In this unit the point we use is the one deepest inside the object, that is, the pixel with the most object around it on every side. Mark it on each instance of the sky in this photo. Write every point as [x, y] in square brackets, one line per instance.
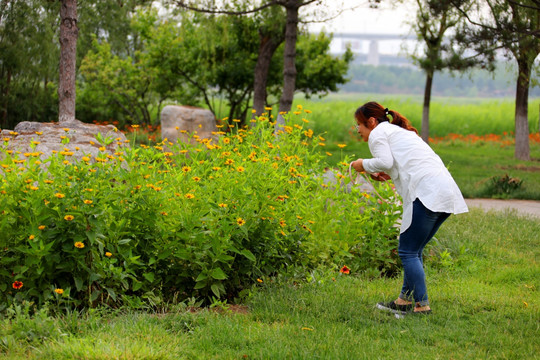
[387, 19]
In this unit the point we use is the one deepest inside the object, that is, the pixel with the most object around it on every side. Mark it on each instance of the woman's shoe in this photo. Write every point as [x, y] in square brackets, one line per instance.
[395, 308]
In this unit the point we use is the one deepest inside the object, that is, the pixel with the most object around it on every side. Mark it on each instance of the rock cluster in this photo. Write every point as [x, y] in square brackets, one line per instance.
[187, 124]
[75, 138]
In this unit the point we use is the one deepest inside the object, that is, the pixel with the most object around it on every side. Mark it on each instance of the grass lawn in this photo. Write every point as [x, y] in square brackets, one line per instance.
[483, 280]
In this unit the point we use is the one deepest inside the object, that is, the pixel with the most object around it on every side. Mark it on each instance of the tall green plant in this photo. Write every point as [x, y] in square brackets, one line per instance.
[204, 220]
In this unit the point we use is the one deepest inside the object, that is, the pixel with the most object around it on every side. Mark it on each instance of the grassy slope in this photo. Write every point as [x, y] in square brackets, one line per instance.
[483, 278]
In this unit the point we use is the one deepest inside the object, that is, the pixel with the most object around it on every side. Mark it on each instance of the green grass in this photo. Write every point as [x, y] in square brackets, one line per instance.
[479, 116]
[483, 278]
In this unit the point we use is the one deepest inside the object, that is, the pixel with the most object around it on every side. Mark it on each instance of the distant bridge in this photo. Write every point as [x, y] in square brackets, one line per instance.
[354, 41]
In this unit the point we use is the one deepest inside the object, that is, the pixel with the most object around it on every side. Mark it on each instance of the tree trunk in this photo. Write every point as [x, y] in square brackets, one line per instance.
[425, 110]
[6, 101]
[68, 56]
[289, 56]
[267, 48]
[522, 150]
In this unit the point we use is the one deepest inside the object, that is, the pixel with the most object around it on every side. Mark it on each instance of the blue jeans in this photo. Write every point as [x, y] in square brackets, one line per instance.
[412, 241]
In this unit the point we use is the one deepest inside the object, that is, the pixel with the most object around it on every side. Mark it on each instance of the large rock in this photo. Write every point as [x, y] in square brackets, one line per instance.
[187, 123]
[47, 138]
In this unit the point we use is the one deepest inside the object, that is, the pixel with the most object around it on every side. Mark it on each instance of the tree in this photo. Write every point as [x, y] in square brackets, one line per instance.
[202, 58]
[292, 8]
[433, 20]
[68, 60]
[514, 27]
[28, 61]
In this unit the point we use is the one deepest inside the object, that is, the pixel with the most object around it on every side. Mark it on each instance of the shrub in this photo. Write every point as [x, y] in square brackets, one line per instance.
[501, 186]
[195, 220]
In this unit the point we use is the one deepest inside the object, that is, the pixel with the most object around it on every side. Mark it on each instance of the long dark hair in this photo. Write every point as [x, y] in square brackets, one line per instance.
[377, 111]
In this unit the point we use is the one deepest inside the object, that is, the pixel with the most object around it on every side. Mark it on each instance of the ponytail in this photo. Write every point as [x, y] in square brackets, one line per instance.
[376, 111]
[402, 121]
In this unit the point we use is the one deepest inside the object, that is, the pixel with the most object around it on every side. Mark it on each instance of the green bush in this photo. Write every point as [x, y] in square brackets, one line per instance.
[203, 220]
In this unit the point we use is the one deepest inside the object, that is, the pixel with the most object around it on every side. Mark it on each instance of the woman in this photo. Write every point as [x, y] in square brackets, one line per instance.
[428, 190]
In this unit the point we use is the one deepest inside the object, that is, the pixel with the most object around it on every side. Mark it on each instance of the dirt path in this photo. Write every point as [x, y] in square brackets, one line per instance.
[523, 207]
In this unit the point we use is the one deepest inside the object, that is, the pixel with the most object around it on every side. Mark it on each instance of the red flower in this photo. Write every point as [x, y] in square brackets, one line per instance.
[17, 285]
[345, 270]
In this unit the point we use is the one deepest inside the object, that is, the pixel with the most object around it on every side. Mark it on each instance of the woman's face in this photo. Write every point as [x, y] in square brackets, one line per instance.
[364, 130]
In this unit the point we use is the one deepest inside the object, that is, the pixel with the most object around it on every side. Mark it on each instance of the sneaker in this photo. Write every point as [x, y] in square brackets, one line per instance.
[413, 313]
[395, 308]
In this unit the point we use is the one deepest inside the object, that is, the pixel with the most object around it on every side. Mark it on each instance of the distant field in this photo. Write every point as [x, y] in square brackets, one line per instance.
[473, 160]
[334, 114]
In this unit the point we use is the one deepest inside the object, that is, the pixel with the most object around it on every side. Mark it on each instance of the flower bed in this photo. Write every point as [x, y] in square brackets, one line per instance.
[199, 221]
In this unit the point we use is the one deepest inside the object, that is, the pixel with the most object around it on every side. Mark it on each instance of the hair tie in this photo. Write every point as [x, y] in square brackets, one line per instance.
[386, 111]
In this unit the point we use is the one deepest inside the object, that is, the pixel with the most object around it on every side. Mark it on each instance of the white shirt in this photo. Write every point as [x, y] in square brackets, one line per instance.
[415, 169]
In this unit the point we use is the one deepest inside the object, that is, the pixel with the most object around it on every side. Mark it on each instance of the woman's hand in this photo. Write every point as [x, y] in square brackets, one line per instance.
[380, 176]
[358, 165]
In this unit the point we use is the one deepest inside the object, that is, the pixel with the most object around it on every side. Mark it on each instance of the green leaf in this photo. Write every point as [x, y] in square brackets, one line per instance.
[200, 285]
[149, 276]
[95, 295]
[248, 254]
[78, 283]
[218, 274]
[136, 285]
[215, 289]
[202, 276]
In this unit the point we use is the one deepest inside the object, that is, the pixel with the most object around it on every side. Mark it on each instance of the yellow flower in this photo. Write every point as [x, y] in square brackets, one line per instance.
[240, 169]
[108, 254]
[186, 169]
[41, 227]
[134, 126]
[31, 237]
[196, 179]
[222, 205]
[329, 154]
[307, 111]
[259, 280]
[69, 217]
[189, 196]
[59, 195]
[341, 146]
[59, 291]
[216, 168]
[87, 202]
[79, 245]
[226, 140]
[229, 162]
[240, 221]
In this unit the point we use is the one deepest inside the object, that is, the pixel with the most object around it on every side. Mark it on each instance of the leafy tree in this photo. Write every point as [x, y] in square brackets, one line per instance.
[514, 27]
[28, 61]
[204, 58]
[292, 20]
[433, 20]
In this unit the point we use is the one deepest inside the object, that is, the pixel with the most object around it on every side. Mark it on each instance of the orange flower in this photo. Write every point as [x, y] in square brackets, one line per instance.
[69, 217]
[17, 285]
[345, 270]
[79, 245]
[59, 291]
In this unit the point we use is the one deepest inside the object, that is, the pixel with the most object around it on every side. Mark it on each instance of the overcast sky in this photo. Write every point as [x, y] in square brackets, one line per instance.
[387, 19]
[359, 18]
